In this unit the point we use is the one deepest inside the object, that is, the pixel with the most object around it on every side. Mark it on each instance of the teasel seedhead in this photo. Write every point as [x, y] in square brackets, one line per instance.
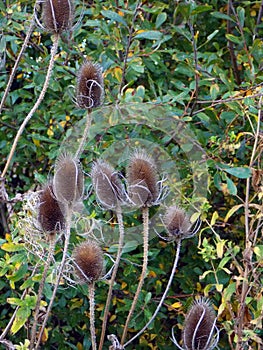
[144, 189]
[68, 181]
[178, 225]
[50, 212]
[199, 330]
[90, 85]
[107, 184]
[57, 15]
[88, 261]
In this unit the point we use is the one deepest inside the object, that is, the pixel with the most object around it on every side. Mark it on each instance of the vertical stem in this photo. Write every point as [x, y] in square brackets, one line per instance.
[36, 105]
[114, 273]
[40, 291]
[85, 134]
[12, 75]
[145, 214]
[176, 259]
[92, 315]
[248, 241]
[60, 271]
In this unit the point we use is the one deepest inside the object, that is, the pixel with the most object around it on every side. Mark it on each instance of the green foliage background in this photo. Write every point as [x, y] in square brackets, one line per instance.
[178, 58]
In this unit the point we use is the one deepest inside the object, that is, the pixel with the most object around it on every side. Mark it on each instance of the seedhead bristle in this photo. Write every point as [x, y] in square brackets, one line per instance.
[50, 215]
[68, 180]
[90, 85]
[142, 179]
[88, 258]
[107, 184]
[57, 15]
[177, 222]
[199, 326]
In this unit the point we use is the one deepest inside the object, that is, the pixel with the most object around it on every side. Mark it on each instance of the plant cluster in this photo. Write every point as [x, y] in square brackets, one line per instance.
[97, 176]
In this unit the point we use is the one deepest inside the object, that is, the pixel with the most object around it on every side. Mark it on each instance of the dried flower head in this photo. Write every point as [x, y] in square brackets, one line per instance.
[107, 184]
[57, 15]
[50, 212]
[90, 85]
[142, 178]
[68, 182]
[88, 258]
[199, 326]
[178, 225]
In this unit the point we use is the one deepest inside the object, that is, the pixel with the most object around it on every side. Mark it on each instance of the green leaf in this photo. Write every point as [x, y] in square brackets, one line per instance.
[114, 17]
[231, 187]
[161, 18]
[21, 317]
[241, 16]
[149, 34]
[12, 247]
[233, 38]
[239, 172]
[222, 16]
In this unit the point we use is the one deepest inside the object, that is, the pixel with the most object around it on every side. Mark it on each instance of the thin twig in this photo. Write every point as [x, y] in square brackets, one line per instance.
[36, 105]
[131, 31]
[14, 69]
[145, 214]
[231, 47]
[176, 259]
[114, 273]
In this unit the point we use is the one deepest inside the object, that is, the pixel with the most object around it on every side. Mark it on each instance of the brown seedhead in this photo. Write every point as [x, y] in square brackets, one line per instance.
[90, 85]
[68, 182]
[57, 15]
[88, 259]
[50, 212]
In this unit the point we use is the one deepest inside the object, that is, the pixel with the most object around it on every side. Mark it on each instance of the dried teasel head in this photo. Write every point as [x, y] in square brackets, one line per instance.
[142, 177]
[50, 212]
[90, 85]
[107, 184]
[178, 225]
[68, 182]
[199, 331]
[57, 15]
[88, 261]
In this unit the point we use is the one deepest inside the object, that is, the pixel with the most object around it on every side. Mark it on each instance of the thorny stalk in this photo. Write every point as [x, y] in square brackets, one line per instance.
[145, 215]
[36, 105]
[114, 273]
[92, 314]
[176, 259]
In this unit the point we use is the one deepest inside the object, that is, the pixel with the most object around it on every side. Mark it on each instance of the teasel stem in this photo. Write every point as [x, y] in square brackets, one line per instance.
[60, 271]
[145, 215]
[85, 134]
[176, 259]
[36, 105]
[114, 273]
[40, 291]
[14, 69]
[92, 314]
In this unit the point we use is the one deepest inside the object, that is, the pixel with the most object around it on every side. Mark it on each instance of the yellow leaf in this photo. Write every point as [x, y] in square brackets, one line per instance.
[36, 142]
[215, 216]
[220, 248]
[232, 211]
[112, 318]
[79, 346]
[176, 305]
[123, 285]
[219, 287]
[118, 74]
